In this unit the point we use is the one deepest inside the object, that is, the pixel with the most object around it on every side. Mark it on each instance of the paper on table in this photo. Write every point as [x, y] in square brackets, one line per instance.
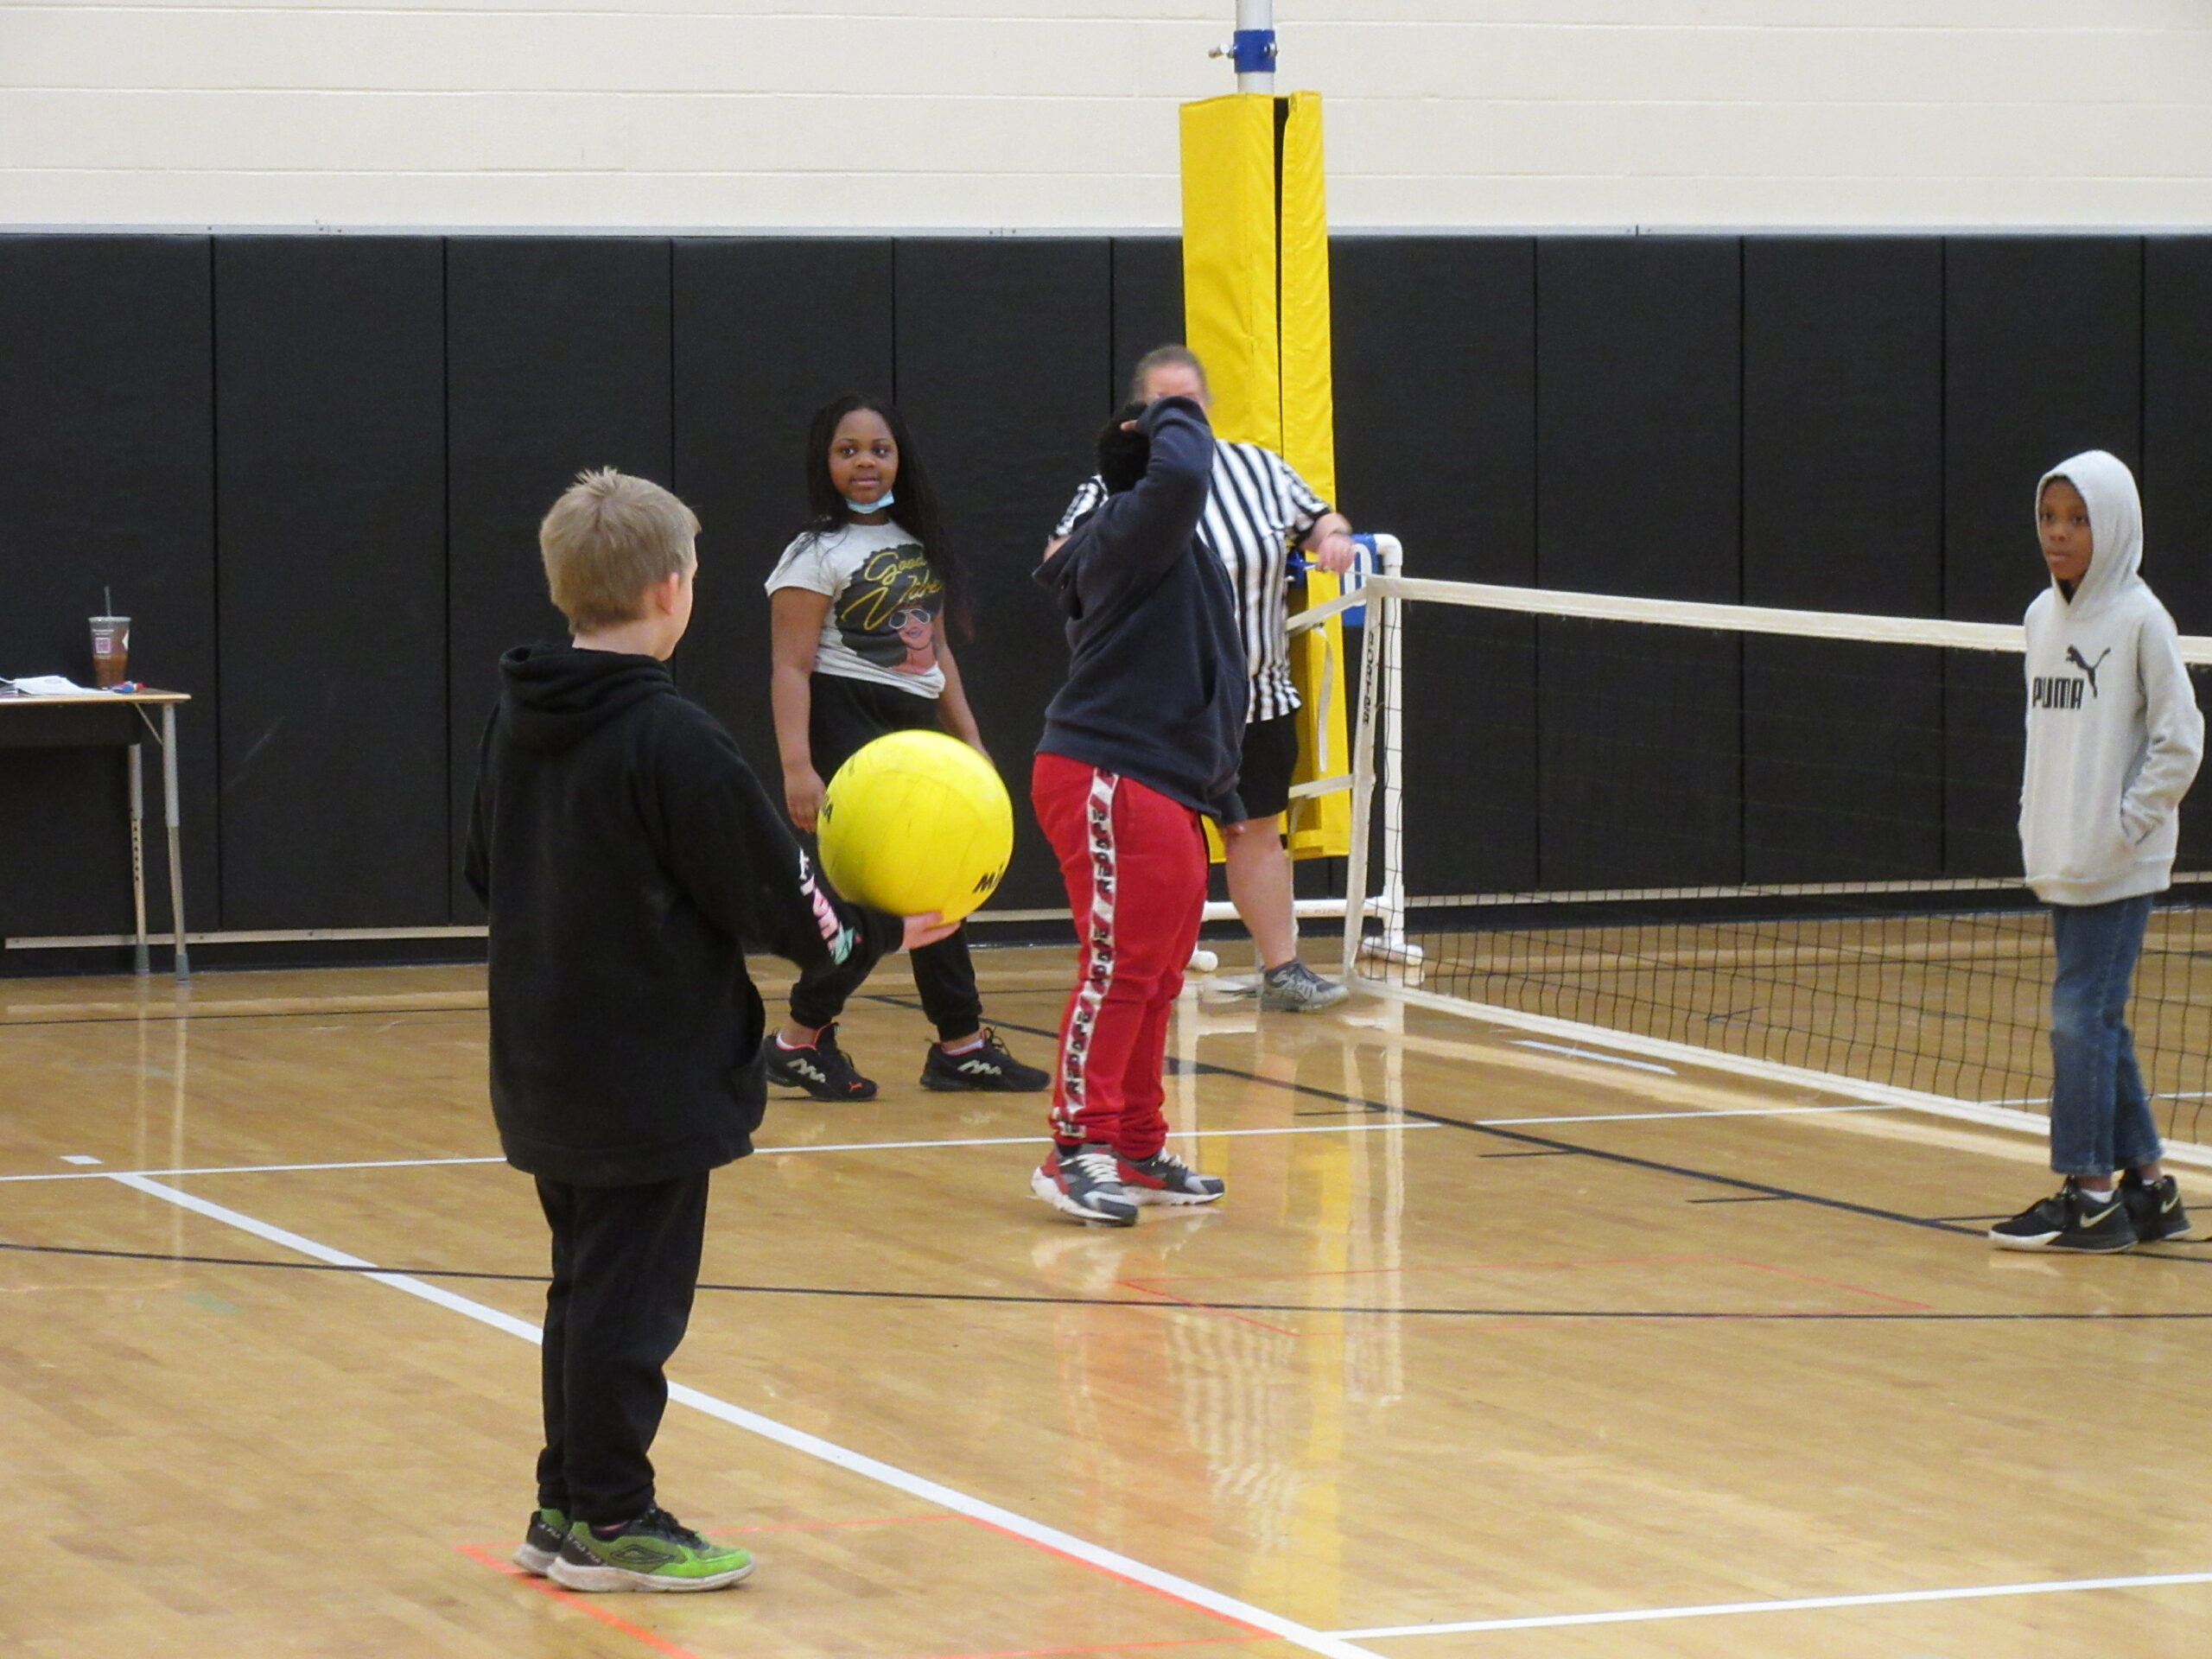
[54, 685]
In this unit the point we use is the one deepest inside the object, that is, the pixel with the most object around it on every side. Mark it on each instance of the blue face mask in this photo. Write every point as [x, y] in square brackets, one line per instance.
[876, 505]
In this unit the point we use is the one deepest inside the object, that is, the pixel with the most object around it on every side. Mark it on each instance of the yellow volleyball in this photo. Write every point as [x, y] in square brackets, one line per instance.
[916, 821]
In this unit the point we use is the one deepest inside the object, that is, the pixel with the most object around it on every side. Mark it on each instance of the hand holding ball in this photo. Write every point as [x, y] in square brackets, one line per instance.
[916, 821]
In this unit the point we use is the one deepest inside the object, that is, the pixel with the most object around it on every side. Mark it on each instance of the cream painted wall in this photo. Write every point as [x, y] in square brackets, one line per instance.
[1027, 115]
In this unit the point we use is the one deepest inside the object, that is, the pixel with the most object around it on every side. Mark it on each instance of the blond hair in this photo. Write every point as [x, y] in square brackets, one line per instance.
[608, 539]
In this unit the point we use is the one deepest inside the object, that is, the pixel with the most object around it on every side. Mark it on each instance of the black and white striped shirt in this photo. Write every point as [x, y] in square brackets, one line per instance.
[1257, 507]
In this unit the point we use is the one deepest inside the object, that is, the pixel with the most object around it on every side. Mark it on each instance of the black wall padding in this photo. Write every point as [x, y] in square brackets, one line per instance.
[558, 359]
[1004, 347]
[330, 467]
[1843, 511]
[2043, 358]
[313, 468]
[2176, 475]
[1147, 304]
[1639, 446]
[107, 420]
[766, 332]
[2178, 464]
[1436, 399]
[1436, 433]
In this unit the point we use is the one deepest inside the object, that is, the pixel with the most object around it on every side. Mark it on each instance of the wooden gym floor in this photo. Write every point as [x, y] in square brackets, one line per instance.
[1494, 1352]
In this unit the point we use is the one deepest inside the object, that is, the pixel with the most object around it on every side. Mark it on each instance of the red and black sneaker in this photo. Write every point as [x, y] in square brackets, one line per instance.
[1164, 1179]
[1080, 1181]
[822, 1069]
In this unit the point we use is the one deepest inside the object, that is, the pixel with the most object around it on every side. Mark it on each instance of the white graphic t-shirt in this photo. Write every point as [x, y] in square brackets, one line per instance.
[884, 600]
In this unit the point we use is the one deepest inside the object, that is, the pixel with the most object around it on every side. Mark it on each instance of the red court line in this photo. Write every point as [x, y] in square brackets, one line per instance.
[1164, 1595]
[489, 1555]
[1096, 1647]
[1488, 1266]
[500, 1550]
[581, 1603]
[1447, 1267]
[1203, 1307]
[1832, 1284]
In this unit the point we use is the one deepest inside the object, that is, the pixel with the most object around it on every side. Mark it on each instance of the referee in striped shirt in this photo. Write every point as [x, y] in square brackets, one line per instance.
[1257, 507]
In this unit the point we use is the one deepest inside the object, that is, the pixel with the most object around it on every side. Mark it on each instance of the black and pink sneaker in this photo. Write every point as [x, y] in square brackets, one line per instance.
[1164, 1179]
[987, 1067]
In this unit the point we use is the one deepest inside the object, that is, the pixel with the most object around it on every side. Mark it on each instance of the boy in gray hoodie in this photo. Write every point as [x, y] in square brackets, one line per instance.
[2114, 737]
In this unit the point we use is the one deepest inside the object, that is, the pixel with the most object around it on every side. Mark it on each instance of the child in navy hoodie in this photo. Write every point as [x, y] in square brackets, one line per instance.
[1143, 738]
[2113, 740]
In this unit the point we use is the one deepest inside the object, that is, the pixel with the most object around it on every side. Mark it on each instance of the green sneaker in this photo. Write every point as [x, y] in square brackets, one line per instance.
[654, 1552]
[541, 1542]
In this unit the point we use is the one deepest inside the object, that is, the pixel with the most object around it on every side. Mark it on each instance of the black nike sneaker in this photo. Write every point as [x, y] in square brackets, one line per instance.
[2070, 1219]
[988, 1068]
[2154, 1207]
[823, 1070]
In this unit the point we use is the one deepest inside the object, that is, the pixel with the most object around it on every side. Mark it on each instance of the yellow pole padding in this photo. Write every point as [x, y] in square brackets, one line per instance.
[1255, 305]
[1309, 426]
[1319, 827]
[1229, 262]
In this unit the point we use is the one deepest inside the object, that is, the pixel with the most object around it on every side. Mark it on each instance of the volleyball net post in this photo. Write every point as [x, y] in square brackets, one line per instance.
[1363, 780]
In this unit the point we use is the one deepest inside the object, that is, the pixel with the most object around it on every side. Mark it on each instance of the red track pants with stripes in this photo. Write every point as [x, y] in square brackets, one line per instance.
[1134, 864]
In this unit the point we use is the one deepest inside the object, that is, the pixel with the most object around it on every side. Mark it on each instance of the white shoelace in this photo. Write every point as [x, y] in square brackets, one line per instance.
[1099, 1166]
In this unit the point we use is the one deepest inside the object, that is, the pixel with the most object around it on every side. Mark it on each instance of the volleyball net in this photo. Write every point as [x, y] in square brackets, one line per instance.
[1781, 842]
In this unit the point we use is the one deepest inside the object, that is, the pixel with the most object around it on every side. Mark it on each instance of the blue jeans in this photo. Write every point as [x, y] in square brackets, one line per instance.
[2100, 1118]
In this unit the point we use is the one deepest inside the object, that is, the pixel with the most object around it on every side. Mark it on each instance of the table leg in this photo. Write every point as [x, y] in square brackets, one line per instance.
[176, 839]
[135, 761]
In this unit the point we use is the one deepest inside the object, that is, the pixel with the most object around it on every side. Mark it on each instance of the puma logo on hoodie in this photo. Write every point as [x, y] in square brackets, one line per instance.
[2064, 690]
[2073, 656]
[2101, 797]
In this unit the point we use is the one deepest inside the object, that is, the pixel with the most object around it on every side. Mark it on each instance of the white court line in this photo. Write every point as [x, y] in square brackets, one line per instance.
[254, 1169]
[760, 1152]
[1647, 1117]
[1805, 1604]
[812, 1445]
[309, 1246]
[1593, 1054]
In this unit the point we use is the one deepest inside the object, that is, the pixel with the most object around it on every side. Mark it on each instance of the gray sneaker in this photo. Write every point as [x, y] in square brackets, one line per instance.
[1296, 989]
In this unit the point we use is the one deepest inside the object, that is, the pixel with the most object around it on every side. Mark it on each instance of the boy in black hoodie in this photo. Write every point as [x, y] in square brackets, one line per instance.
[625, 851]
[1144, 738]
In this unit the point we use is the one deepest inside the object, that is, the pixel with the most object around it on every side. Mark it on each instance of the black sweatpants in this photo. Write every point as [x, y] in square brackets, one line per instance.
[626, 1263]
[848, 715]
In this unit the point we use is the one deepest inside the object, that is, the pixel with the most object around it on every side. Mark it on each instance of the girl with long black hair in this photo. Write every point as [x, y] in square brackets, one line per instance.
[858, 605]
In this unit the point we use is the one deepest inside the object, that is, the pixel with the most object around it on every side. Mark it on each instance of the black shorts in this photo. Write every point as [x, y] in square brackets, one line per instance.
[1270, 756]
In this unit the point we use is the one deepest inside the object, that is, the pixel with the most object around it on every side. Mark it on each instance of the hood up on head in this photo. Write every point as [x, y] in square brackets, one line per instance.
[2115, 522]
